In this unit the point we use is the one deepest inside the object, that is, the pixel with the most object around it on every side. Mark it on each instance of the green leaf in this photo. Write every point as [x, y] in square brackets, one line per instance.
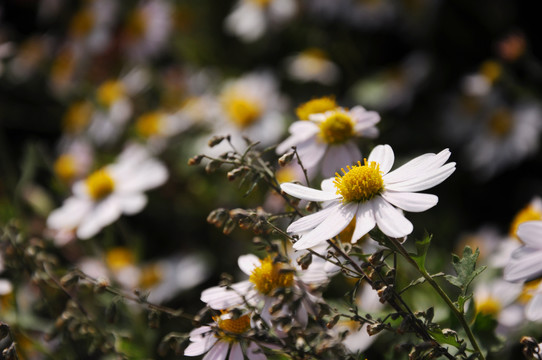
[465, 268]
[447, 337]
[421, 251]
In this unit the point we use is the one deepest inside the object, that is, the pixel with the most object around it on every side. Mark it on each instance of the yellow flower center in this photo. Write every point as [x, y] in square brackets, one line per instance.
[233, 326]
[337, 128]
[81, 23]
[269, 276]
[151, 275]
[286, 174]
[100, 184]
[65, 167]
[149, 124]
[109, 92]
[241, 111]
[315, 106]
[530, 212]
[77, 117]
[360, 183]
[136, 26]
[491, 70]
[500, 123]
[261, 3]
[119, 257]
[488, 306]
[529, 288]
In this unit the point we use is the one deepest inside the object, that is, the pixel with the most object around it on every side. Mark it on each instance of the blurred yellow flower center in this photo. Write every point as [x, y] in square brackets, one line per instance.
[81, 23]
[65, 167]
[151, 275]
[100, 184]
[270, 276]
[491, 70]
[360, 182]
[488, 306]
[529, 213]
[149, 124]
[337, 128]
[286, 174]
[109, 92]
[119, 257]
[77, 117]
[315, 106]
[529, 288]
[234, 326]
[500, 122]
[261, 3]
[136, 25]
[241, 111]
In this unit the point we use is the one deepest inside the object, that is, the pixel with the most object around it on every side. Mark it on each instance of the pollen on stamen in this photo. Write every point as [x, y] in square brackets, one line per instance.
[360, 182]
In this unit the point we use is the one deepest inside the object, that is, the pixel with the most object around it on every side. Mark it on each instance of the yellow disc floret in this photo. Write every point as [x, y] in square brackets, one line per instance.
[119, 257]
[77, 117]
[109, 92]
[529, 213]
[261, 3]
[360, 182]
[65, 167]
[233, 326]
[315, 106]
[270, 276]
[149, 124]
[243, 112]
[488, 306]
[100, 184]
[337, 128]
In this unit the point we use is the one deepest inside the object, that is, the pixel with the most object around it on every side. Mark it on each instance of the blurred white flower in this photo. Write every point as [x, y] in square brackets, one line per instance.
[498, 298]
[250, 19]
[526, 263]
[106, 194]
[312, 65]
[372, 195]
[75, 161]
[91, 26]
[326, 141]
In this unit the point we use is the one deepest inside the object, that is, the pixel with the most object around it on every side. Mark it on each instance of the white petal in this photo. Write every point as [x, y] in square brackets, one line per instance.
[337, 157]
[418, 165]
[533, 311]
[311, 152]
[200, 345]
[133, 203]
[422, 180]
[222, 298]
[306, 193]
[218, 352]
[523, 268]
[254, 352]
[530, 233]
[331, 226]
[365, 221]
[383, 155]
[328, 185]
[301, 131]
[247, 263]
[311, 221]
[236, 353]
[390, 220]
[414, 202]
[103, 214]
[145, 176]
[70, 214]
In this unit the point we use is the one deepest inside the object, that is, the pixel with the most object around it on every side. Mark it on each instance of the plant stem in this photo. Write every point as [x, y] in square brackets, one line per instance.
[458, 314]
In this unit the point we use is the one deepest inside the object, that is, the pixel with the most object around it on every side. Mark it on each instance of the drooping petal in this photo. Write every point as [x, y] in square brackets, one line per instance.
[311, 153]
[311, 221]
[533, 311]
[247, 263]
[331, 226]
[390, 220]
[218, 352]
[254, 352]
[70, 214]
[424, 180]
[383, 155]
[365, 221]
[525, 267]
[103, 214]
[201, 343]
[306, 193]
[530, 232]
[414, 202]
[222, 298]
[236, 353]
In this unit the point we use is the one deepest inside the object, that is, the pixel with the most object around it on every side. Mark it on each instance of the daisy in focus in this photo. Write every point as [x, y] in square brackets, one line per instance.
[250, 19]
[372, 195]
[327, 139]
[222, 338]
[109, 192]
[266, 276]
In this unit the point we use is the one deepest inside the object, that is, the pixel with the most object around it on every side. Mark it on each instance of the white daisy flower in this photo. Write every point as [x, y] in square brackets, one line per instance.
[250, 19]
[265, 277]
[525, 262]
[74, 161]
[312, 65]
[108, 193]
[372, 195]
[158, 126]
[220, 340]
[327, 139]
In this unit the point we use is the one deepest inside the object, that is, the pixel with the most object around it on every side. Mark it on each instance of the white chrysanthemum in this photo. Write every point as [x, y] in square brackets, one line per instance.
[312, 65]
[250, 19]
[266, 276]
[372, 195]
[108, 193]
[326, 140]
[525, 262]
[220, 339]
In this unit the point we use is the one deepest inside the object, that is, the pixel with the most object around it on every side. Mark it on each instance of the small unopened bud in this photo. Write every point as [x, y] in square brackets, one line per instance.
[228, 227]
[286, 158]
[215, 140]
[195, 160]
[212, 166]
[233, 174]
